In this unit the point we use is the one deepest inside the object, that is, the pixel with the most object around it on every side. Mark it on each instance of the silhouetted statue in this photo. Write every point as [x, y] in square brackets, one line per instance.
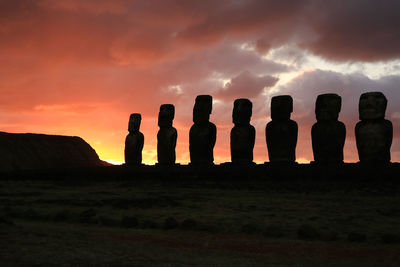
[374, 134]
[134, 141]
[242, 134]
[166, 136]
[203, 133]
[328, 134]
[281, 132]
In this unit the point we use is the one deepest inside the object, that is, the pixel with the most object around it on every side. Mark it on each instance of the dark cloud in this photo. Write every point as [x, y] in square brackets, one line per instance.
[364, 30]
[354, 30]
[238, 18]
[135, 32]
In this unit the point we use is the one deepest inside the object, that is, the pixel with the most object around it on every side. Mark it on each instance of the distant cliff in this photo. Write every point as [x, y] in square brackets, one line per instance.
[40, 151]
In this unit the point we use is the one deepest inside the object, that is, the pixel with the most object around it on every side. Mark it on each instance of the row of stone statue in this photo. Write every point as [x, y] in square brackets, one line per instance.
[374, 134]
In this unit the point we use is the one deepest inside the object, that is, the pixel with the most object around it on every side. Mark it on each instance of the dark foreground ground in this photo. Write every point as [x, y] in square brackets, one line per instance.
[148, 216]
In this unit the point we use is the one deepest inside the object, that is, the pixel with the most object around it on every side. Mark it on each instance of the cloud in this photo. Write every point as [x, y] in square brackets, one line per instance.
[245, 85]
[294, 56]
[134, 32]
[88, 6]
[355, 30]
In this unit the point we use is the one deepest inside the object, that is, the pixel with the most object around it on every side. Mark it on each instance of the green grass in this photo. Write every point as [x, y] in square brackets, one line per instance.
[92, 223]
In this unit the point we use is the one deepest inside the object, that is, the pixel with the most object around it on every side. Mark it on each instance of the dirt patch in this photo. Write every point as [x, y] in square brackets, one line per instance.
[288, 249]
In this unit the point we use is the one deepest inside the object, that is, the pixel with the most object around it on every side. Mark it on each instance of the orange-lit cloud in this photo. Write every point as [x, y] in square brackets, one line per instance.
[81, 67]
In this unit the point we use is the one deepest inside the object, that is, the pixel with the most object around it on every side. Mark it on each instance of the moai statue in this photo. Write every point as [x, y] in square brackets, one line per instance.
[134, 141]
[166, 136]
[242, 134]
[281, 132]
[328, 134]
[374, 134]
[203, 133]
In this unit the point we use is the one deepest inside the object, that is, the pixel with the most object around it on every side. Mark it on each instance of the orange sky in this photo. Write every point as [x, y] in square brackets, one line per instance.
[81, 67]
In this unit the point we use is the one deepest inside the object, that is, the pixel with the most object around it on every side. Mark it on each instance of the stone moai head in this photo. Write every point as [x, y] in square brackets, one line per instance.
[242, 111]
[327, 107]
[134, 122]
[281, 107]
[202, 109]
[166, 115]
[372, 106]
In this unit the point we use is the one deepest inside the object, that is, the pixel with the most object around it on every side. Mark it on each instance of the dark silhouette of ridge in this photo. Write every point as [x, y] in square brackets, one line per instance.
[40, 151]
[225, 173]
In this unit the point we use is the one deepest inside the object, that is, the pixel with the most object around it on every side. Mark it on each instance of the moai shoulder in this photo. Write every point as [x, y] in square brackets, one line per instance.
[281, 132]
[203, 133]
[166, 136]
[328, 134]
[374, 134]
[134, 141]
[242, 134]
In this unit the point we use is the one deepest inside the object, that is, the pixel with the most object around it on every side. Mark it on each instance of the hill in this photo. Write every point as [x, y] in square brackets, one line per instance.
[40, 151]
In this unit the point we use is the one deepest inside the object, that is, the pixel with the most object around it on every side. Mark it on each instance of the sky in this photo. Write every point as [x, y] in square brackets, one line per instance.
[81, 67]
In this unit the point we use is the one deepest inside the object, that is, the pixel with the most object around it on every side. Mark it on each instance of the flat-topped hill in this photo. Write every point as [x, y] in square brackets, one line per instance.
[40, 151]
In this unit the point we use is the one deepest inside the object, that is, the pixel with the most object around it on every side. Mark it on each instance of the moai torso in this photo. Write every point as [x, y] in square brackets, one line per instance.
[242, 134]
[281, 132]
[166, 136]
[134, 141]
[328, 134]
[374, 134]
[203, 133]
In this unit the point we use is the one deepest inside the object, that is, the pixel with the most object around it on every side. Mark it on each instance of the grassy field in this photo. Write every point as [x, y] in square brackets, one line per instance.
[198, 222]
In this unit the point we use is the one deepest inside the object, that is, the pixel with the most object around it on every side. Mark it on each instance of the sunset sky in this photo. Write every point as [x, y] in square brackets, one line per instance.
[81, 67]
